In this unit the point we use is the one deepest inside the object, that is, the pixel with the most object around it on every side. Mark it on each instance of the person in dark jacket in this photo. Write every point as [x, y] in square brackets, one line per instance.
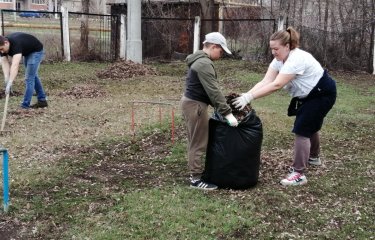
[17, 45]
[202, 90]
[313, 93]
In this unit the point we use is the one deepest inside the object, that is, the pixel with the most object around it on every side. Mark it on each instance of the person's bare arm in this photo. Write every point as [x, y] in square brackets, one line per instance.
[272, 82]
[5, 65]
[268, 88]
[16, 59]
[271, 74]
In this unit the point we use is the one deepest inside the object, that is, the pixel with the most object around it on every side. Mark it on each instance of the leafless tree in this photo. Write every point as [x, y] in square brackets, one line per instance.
[372, 35]
[85, 28]
[208, 12]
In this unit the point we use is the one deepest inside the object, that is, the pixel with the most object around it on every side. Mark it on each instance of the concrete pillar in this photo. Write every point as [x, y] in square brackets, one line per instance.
[134, 42]
[65, 21]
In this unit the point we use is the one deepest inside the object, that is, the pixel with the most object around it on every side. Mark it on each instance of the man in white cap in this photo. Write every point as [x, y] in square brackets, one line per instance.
[201, 90]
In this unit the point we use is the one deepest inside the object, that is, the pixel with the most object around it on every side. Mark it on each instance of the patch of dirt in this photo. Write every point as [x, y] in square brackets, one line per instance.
[13, 93]
[25, 113]
[137, 161]
[83, 91]
[9, 228]
[126, 69]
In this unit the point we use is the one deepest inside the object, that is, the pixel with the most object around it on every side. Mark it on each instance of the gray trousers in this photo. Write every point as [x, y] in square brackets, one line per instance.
[196, 118]
[305, 148]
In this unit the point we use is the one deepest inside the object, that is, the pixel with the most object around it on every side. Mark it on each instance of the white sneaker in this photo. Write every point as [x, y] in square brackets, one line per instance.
[294, 179]
[315, 161]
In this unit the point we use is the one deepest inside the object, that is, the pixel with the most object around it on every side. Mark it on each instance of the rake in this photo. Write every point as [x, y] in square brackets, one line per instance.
[2, 131]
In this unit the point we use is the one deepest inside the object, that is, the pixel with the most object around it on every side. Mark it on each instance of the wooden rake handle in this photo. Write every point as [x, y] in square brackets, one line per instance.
[5, 112]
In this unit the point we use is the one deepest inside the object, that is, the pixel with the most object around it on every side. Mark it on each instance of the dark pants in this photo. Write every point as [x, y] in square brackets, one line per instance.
[309, 121]
[315, 106]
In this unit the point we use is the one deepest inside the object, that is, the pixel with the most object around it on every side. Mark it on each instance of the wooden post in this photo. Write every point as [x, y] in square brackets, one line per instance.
[132, 120]
[280, 23]
[172, 127]
[373, 56]
[122, 37]
[197, 33]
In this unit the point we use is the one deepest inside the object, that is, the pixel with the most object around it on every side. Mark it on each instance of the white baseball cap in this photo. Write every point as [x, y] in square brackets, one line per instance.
[217, 38]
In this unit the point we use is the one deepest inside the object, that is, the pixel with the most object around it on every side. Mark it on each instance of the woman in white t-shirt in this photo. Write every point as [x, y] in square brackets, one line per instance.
[313, 94]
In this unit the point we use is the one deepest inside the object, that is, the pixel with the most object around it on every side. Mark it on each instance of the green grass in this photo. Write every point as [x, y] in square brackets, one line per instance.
[78, 172]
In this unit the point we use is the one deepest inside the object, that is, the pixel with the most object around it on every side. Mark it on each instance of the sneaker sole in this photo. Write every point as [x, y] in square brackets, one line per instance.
[315, 163]
[294, 184]
[205, 189]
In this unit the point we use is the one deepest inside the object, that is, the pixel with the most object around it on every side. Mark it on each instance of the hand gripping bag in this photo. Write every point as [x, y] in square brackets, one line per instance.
[233, 153]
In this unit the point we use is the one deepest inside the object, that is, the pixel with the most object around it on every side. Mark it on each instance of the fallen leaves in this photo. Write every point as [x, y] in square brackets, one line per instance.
[238, 114]
[83, 91]
[126, 69]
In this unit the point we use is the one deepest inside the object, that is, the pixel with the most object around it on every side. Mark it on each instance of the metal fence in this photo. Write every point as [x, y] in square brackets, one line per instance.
[96, 37]
[172, 38]
[92, 36]
[248, 39]
[166, 38]
[46, 26]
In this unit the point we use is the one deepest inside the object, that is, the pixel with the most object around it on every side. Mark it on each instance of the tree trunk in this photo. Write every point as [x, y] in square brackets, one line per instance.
[301, 15]
[208, 12]
[372, 32]
[325, 28]
[85, 28]
[320, 12]
[362, 44]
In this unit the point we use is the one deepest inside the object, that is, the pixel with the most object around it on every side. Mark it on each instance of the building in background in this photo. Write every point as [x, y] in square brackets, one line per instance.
[96, 6]
[36, 5]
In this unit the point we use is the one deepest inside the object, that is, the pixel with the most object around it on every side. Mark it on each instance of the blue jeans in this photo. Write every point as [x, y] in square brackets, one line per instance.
[32, 81]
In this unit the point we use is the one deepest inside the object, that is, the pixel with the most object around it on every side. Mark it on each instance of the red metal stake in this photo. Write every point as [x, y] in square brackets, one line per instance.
[160, 115]
[132, 126]
[172, 130]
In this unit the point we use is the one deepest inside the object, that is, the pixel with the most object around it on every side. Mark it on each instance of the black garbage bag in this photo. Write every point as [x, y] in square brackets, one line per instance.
[233, 153]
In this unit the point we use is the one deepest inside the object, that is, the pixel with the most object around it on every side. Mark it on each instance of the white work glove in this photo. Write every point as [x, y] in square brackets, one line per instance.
[231, 120]
[8, 87]
[243, 100]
